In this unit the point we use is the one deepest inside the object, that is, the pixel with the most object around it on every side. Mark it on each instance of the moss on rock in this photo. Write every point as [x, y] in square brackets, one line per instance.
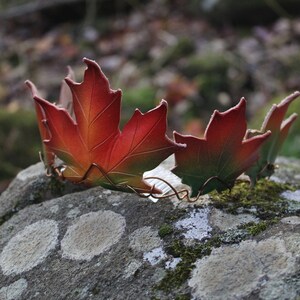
[164, 230]
[263, 200]
[188, 254]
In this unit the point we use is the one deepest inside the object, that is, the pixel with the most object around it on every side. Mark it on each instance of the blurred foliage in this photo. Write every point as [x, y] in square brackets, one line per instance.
[19, 141]
[210, 73]
[9, 3]
[209, 63]
[142, 97]
[243, 12]
[254, 11]
[182, 48]
[199, 55]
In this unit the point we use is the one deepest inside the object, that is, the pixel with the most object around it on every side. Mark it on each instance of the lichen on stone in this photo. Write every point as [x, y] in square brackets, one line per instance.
[29, 247]
[188, 255]
[14, 291]
[215, 271]
[252, 211]
[92, 234]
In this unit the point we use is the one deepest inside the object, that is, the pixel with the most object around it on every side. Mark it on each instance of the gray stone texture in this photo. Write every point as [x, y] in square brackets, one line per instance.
[225, 221]
[29, 247]
[31, 186]
[102, 244]
[247, 268]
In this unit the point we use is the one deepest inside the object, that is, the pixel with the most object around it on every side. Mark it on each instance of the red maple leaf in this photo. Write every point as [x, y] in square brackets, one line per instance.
[91, 145]
[274, 121]
[215, 161]
[65, 100]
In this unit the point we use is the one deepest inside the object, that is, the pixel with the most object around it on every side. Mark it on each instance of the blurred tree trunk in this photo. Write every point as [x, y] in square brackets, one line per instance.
[12, 10]
[91, 12]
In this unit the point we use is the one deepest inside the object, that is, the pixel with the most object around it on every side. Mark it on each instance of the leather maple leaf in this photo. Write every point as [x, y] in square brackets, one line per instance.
[65, 95]
[91, 144]
[274, 121]
[216, 160]
[65, 100]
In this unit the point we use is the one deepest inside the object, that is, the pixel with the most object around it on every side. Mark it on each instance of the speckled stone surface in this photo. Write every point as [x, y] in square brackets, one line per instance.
[266, 263]
[102, 244]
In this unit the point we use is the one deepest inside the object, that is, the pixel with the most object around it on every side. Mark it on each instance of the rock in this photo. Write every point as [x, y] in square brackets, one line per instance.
[31, 186]
[288, 171]
[102, 244]
[92, 234]
[267, 262]
[294, 220]
[13, 291]
[195, 225]
[22, 187]
[29, 247]
[225, 221]
[144, 239]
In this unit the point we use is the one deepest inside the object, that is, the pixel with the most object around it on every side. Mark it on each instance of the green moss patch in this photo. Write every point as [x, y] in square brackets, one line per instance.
[254, 229]
[164, 230]
[189, 254]
[263, 200]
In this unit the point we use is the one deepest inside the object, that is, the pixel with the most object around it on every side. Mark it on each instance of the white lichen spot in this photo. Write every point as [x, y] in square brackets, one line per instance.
[293, 220]
[290, 195]
[196, 226]
[73, 213]
[278, 290]
[144, 239]
[172, 263]
[29, 247]
[132, 268]
[276, 179]
[106, 192]
[115, 200]
[92, 234]
[14, 291]
[155, 256]
[54, 209]
[83, 293]
[90, 199]
[225, 221]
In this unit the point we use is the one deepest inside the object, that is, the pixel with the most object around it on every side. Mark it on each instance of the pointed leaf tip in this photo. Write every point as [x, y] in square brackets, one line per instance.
[164, 104]
[86, 60]
[91, 62]
[31, 87]
[70, 73]
[241, 104]
[287, 122]
[47, 154]
[274, 121]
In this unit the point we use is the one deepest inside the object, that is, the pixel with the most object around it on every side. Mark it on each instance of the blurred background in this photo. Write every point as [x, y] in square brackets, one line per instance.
[199, 55]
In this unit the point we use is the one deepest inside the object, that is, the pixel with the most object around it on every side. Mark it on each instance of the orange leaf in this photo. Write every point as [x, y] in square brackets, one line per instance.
[92, 146]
